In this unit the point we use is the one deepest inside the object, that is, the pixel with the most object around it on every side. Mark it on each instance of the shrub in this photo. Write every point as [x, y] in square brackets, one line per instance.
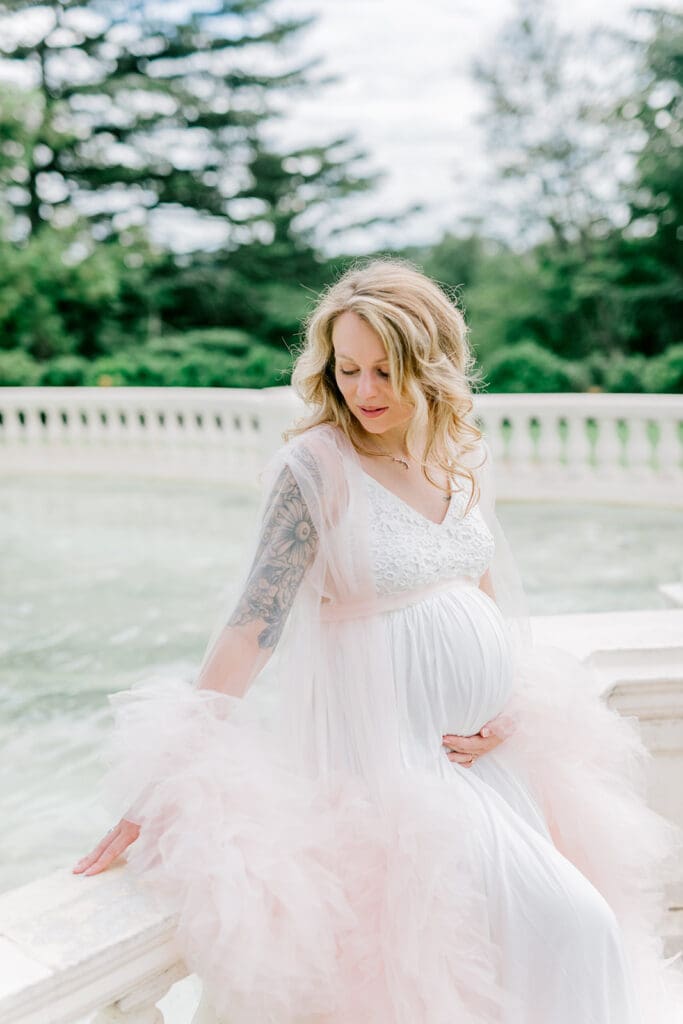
[626, 374]
[229, 341]
[664, 373]
[18, 369]
[263, 367]
[526, 367]
[131, 369]
[64, 371]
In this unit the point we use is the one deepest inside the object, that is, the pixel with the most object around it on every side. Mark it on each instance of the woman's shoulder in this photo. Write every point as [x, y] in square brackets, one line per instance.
[316, 441]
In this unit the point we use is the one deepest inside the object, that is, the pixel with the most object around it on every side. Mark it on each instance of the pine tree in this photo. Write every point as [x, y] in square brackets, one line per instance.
[131, 114]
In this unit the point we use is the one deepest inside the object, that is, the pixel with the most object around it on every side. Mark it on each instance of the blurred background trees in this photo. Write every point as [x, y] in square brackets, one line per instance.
[150, 234]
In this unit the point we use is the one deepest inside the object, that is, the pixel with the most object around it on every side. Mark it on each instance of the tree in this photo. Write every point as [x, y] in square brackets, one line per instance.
[134, 114]
[133, 118]
[650, 247]
[549, 138]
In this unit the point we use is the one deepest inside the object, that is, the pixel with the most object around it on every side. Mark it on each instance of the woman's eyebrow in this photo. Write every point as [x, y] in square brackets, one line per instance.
[342, 355]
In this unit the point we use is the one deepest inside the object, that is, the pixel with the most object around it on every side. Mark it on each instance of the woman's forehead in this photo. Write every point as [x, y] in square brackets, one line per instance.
[353, 338]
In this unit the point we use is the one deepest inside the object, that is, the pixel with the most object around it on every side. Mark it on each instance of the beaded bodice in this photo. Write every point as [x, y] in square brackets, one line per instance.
[408, 550]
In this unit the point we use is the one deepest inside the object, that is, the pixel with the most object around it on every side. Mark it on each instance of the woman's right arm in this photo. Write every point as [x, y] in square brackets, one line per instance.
[287, 547]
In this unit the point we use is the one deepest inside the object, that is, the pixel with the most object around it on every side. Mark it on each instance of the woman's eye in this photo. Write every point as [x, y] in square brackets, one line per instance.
[349, 373]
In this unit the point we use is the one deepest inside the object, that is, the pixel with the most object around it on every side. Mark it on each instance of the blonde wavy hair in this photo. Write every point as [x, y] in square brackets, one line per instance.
[430, 362]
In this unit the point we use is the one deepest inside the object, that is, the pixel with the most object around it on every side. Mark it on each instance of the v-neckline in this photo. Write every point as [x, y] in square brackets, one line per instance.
[406, 504]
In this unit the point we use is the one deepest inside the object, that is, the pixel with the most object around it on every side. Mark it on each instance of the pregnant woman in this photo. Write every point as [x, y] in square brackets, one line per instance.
[418, 818]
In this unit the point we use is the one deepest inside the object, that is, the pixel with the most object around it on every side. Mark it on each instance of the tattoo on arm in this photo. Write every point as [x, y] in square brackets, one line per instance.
[287, 546]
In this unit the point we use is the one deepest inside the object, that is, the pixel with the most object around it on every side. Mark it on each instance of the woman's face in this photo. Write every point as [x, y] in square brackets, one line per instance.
[361, 370]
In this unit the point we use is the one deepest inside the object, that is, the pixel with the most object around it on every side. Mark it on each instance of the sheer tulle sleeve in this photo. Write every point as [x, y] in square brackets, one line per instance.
[163, 715]
[286, 548]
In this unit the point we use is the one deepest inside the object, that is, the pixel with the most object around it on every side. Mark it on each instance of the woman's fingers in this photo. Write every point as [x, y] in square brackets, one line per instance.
[463, 749]
[464, 759]
[91, 857]
[108, 849]
[470, 744]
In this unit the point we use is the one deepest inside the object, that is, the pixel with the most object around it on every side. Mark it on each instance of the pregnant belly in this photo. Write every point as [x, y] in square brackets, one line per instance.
[451, 664]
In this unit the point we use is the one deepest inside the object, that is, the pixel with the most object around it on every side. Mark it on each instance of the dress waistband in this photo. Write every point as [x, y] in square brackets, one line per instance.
[338, 611]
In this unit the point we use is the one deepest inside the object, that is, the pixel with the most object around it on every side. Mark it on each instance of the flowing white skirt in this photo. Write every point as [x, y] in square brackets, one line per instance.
[455, 904]
[562, 957]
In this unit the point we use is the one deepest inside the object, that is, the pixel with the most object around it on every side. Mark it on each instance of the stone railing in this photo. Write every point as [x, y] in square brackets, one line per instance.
[73, 947]
[620, 448]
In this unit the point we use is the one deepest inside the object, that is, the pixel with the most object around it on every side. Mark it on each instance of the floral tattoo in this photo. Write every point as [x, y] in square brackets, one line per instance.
[287, 546]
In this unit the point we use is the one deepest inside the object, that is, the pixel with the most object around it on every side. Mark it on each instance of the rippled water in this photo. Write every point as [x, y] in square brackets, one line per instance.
[105, 579]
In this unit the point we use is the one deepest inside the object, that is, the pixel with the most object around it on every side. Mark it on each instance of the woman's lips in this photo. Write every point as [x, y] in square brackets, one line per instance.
[372, 413]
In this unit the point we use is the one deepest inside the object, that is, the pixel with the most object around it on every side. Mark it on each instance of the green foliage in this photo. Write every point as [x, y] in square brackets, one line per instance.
[208, 358]
[664, 374]
[217, 291]
[227, 341]
[526, 367]
[626, 374]
[56, 298]
[64, 371]
[18, 369]
[650, 250]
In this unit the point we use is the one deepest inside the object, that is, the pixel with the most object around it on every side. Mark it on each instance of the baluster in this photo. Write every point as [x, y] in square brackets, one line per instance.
[549, 448]
[14, 430]
[80, 422]
[33, 430]
[60, 429]
[578, 446]
[496, 438]
[669, 450]
[139, 1005]
[639, 448]
[609, 447]
[52, 428]
[520, 446]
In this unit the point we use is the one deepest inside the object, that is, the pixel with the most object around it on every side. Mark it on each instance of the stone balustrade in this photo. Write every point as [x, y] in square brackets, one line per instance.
[587, 447]
[73, 947]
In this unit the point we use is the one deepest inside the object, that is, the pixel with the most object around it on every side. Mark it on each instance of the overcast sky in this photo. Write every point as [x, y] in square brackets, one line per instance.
[406, 93]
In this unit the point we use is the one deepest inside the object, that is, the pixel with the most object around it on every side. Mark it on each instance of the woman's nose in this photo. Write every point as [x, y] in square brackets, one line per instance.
[366, 386]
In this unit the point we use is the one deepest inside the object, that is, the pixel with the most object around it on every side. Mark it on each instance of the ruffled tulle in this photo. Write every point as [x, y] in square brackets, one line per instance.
[587, 766]
[300, 901]
[295, 900]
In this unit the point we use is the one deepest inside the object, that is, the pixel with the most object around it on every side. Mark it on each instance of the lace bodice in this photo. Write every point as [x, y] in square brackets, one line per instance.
[408, 550]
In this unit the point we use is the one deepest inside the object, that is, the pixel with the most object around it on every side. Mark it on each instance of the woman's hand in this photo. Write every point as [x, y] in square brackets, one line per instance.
[117, 839]
[465, 750]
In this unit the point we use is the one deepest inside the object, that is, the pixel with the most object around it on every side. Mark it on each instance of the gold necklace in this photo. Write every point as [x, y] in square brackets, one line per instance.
[394, 458]
[403, 462]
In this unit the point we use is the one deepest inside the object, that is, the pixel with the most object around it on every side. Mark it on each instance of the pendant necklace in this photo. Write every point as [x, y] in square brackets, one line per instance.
[404, 463]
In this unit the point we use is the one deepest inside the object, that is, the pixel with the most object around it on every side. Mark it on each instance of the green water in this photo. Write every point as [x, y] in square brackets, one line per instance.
[104, 579]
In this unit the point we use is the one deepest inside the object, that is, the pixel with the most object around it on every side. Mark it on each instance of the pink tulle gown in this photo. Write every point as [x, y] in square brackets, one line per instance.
[455, 906]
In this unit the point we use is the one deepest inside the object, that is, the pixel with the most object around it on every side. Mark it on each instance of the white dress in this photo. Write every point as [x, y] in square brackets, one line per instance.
[562, 958]
[559, 951]
[327, 862]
